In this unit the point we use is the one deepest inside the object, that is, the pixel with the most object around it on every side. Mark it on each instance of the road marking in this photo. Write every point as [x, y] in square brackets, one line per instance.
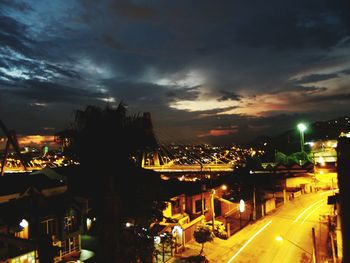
[307, 209]
[249, 240]
[313, 211]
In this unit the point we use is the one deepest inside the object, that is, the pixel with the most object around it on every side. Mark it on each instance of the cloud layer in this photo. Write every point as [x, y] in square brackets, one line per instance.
[208, 72]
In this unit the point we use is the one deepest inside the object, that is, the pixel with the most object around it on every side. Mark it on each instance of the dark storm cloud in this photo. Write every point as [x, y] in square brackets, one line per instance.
[298, 88]
[315, 78]
[228, 96]
[331, 98]
[49, 92]
[216, 111]
[144, 95]
[347, 71]
[18, 5]
[13, 35]
[154, 54]
[132, 10]
[309, 89]
[296, 24]
[34, 69]
[191, 93]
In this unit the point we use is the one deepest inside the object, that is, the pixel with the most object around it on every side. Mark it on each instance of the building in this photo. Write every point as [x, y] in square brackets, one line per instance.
[39, 219]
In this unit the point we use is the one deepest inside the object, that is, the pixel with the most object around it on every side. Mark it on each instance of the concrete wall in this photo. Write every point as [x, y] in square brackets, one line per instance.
[297, 182]
[269, 205]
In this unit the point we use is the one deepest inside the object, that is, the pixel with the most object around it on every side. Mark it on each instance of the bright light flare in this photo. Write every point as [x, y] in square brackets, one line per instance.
[24, 223]
[279, 238]
[241, 206]
[301, 127]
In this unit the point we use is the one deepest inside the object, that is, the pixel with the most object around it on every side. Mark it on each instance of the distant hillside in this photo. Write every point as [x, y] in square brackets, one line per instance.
[289, 141]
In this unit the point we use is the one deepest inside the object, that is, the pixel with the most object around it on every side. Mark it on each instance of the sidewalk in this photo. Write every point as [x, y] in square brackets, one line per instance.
[193, 248]
[219, 251]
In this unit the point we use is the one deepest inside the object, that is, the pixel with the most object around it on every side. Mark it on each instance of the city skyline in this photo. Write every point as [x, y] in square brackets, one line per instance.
[211, 72]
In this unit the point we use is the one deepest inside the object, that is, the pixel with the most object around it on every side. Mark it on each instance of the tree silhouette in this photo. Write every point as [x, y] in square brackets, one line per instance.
[102, 130]
[203, 234]
[104, 142]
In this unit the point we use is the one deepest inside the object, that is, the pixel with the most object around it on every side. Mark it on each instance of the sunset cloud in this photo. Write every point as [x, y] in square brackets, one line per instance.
[195, 67]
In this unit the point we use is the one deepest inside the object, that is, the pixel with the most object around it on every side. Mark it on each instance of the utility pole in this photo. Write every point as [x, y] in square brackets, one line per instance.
[212, 209]
[314, 254]
[254, 203]
[203, 188]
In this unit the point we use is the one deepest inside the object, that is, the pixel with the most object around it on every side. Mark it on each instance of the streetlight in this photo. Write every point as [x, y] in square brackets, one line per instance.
[241, 210]
[302, 128]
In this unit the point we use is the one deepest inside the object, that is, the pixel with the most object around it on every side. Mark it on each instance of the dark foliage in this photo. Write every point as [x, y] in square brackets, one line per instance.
[203, 234]
[104, 141]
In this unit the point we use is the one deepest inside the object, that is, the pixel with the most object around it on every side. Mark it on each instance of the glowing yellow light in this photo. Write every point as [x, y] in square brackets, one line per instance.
[224, 187]
[321, 161]
[279, 238]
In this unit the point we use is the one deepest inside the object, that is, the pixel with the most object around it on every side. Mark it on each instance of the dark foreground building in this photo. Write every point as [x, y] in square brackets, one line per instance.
[343, 151]
[39, 220]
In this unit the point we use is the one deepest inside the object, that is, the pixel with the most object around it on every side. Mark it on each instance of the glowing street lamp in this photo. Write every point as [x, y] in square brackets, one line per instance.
[241, 207]
[302, 127]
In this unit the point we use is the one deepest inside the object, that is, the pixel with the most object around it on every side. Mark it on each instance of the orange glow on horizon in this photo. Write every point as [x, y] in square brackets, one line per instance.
[33, 140]
[220, 132]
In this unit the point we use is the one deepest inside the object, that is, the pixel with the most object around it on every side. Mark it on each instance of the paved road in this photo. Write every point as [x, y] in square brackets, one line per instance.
[292, 223]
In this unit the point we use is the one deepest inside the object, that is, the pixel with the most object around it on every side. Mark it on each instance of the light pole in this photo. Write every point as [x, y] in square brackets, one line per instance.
[203, 189]
[302, 128]
[212, 209]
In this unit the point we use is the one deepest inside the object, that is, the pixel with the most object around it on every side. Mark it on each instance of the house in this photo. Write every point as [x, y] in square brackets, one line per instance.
[39, 219]
[185, 211]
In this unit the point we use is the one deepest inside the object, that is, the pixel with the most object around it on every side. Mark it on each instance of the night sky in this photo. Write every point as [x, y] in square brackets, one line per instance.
[208, 71]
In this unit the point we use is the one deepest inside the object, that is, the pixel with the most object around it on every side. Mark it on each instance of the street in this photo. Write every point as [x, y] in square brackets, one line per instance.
[283, 236]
